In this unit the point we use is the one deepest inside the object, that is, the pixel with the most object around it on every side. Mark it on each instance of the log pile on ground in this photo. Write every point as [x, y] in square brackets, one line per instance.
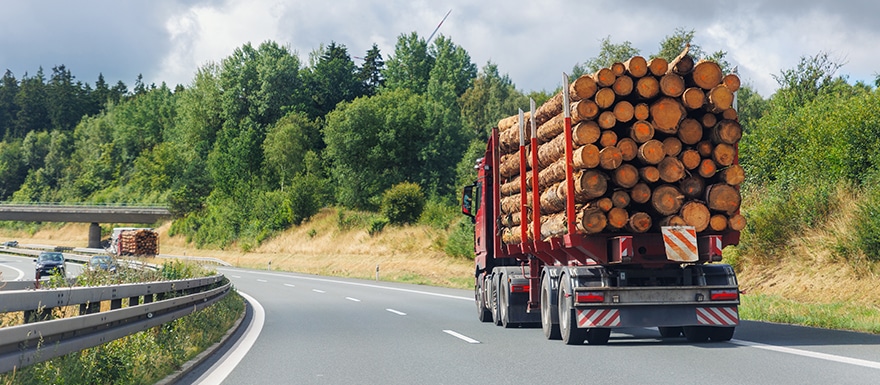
[141, 242]
[655, 144]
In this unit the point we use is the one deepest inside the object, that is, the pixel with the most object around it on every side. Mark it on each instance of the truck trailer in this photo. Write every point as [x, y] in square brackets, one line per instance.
[590, 278]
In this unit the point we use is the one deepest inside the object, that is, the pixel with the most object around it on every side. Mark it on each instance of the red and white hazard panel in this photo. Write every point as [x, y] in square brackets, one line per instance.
[681, 243]
[592, 318]
[718, 316]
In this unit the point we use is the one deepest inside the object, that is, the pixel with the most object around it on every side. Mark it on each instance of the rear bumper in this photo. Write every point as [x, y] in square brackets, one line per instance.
[659, 315]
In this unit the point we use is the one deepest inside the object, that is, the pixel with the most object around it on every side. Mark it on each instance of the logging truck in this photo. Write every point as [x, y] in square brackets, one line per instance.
[608, 207]
[134, 241]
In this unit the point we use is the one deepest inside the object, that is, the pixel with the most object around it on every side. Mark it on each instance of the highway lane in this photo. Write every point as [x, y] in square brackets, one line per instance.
[330, 330]
[18, 268]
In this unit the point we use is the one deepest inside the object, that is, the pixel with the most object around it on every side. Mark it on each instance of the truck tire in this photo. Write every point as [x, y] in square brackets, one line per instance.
[504, 304]
[548, 323]
[721, 333]
[483, 312]
[598, 336]
[696, 333]
[568, 330]
[493, 299]
[669, 332]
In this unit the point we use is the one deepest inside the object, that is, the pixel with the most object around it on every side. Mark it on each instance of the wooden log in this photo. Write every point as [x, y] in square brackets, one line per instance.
[510, 220]
[617, 218]
[549, 152]
[726, 131]
[553, 226]
[658, 66]
[651, 152]
[671, 169]
[736, 222]
[693, 98]
[620, 198]
[608, 138]
[583, 87]
[636, 66]
[591, 221]
[605, 77]
[510, 165]
[720, 98]
[672, 220]
[550, 108]
[641, 111]
[641, 131]
[730, 114]
[690, 131]
[718, 222]
[672, 85]
[628, 149]
[672, 146]
[509, 141]
[511, 204]
[682, 64]
[585, 133]
[623, 85]
[708, 120]
[509, 122]
[625, 176]
[667, 200]
[551, 128]
[647, 87]
[552, 199]
[606, 120]
[617, 68]
[639, 222]
[511, 187]
[723, 198]
[690, 159]
[605, 204]
[586, 156]
[707, 168]
[552, 174]
[589, 185]
[583, 110]
[666, 113]
[724, 154]
[604, 98]
[705, 148]
[610, 158]
[623, 111]
[695, 214]
[733, 175]
[692, 187]
[640, 193]
[731, 81]
[649, 174]
[706, 74]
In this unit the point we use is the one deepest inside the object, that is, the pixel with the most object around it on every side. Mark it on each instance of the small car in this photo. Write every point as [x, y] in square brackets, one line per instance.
[10, 244]
[102, 262]
[48, 262]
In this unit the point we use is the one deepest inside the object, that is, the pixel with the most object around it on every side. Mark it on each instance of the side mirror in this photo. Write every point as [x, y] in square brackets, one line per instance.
[467, 201]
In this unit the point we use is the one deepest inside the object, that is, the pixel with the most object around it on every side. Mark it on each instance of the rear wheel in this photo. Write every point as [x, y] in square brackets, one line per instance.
[493, 299]
[696, 333]
[568, 329]
[551, 329]
[483, 312]
[598, 336]
[669, 332]
[504, 304]
[721, 333]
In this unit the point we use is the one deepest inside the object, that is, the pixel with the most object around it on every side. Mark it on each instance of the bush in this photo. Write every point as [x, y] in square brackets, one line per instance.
[461, 239]
[866, 224]
[403, 203]
[439, 214]
[376, 225]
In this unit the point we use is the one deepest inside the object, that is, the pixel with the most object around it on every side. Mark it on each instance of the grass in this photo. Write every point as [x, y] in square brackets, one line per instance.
[836, 315]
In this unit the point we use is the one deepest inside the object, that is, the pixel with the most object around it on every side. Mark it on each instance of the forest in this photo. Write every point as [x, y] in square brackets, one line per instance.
[262, 140]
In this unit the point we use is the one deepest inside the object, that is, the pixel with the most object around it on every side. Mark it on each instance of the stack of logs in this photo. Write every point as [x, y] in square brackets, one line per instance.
[655, 144]
[139, 242]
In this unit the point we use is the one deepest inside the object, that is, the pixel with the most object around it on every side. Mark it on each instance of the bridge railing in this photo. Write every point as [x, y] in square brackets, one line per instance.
[148, 304]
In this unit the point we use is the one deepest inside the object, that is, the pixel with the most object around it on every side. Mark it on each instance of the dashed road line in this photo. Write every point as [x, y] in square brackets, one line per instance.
[289, 285]
[262, 280]
[396, 311]
[461, 337]
[318, 291]
[352, 299]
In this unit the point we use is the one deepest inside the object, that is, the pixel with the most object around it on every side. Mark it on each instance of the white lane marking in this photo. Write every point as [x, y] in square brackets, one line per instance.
[20, 273]
[230, 360]
[806, 353]
[318, 291]
[364, 285]
[289, 285]
[235, 276]
[396, 312]
[262, 280]
[352, 299]
[461, 337]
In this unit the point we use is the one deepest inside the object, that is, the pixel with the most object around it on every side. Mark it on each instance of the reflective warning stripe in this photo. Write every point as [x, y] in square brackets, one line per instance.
[718, 316]
[681, 243]
[592, 318]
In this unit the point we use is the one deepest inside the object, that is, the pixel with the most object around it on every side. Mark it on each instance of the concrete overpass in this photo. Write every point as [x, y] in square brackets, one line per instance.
[83, 214]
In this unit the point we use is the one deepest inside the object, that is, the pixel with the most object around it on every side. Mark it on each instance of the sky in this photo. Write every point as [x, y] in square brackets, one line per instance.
[533, 42]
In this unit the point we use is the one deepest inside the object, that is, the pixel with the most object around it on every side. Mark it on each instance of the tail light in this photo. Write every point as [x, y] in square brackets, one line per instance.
[590, 296]
[519, 288]
[724, 295]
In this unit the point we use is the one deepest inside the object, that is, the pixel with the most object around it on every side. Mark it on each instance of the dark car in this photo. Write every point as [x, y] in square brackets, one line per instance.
[10, 244]
[48, 262]
[102, 262]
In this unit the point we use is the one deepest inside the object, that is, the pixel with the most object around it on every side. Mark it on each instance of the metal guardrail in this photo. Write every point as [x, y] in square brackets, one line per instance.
[150, 304]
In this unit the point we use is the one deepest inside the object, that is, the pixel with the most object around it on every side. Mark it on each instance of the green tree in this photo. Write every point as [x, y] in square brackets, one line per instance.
[370, 72]
[672, 45]
[200, 113]
[803, 83]
[609, 53]
[66, 99]
[32, 100]
[286, 145]
[410, 66]
[12, 168]
[491, 97]
[8, 108]
[331, 79]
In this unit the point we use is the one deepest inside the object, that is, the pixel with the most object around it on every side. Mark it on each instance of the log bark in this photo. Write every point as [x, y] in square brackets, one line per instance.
[607, 120]
[617, 218]
[511, 204]
[672, 146]
[583, 87]
[647, 87]
[641, 111]
[639, 222]
[682, 64]
[510, 165]
[658, 66]
[553, 226]
[723, 198]
[604, 77]
[695, 214]
[623, 111]
[649, 174]
[623, 86]
[651, 152]
[731, 81]
[583, 110]
[720, 98]
[620, 198]
[636, 66]
[511, 187]
[693, 98]
[690, 159]
[553, 199]
[672, 85]
[733, 175]
[671, 169]
[604, 98]
[727, 131]
[610, 158]
[628, 149]
[585, 133]
[707, 74]
[549, 152]
[640, 193]
[551, 128]
[724, 154]
[666, 113]
[641, 131]
[667, 200]
[625, 176]
[552, 174]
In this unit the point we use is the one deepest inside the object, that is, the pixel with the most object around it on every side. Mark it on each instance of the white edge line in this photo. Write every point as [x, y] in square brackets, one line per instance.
[461, 337]
[352, 299]
[396, 312]
[220, 370]
[806, 353]
[20, 272]
[363, 285]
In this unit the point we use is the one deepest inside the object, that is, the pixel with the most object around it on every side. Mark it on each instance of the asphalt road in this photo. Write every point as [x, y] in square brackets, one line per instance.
[17, 268]
[321, 330]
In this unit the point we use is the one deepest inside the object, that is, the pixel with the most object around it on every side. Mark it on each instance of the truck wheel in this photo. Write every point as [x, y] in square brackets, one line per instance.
[551, 329]
[597, 336]
[696, 333]
[568, 330]
[721, 333]
[504, 304]
[669, 332]
[493, 298]
[483, 312]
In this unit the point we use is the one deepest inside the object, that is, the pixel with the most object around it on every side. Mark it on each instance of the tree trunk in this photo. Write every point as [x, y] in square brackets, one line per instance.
[623, 86]
[641, 111]
[707, 168]
[639, 222]
[617, 218]
[736, 222]
[607, 120]
[649, 174]
[667, 200]
[636, 66]
[706, 74]
[683, 64]
[690, 131]
[585, 157]
[552, 174]
[672, 146]
[666, 113]
[624, 111]
[723, 197]
[585, 133]
[604, 77]
[604, 98]
[651, 152]
[591, 220]
[724, 154]
[720, 98]
[510, 165]
[589, 185]
[690, 159]
[628, 149]
[672, 85]
[608, 138]
[732, 175]
[511, 204]
[731, 81]
[718, 222]
[620, 198]
[625, 176]
[647, 87]
[583, 87]
[671, 169]
[693, 98]
[692, 187]
[727, 131]
[583, 110]
[610, 158]
[553, 199]
[551, 128]
[695, 214]
[640, 193]
[641, 131]
[658, 66]
[605, 204]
